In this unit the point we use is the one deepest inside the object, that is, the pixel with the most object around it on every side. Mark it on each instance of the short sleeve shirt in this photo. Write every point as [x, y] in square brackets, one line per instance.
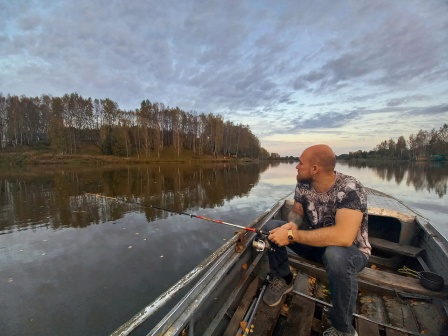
[320, 208]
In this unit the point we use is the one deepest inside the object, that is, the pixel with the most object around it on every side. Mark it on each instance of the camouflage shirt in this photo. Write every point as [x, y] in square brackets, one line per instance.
[320, 208]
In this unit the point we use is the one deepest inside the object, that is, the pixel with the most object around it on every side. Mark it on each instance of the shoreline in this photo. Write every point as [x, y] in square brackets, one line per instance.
[40, 158]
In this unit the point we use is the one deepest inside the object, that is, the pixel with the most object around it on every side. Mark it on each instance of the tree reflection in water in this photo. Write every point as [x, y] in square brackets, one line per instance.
[430, 176]
[55, 197]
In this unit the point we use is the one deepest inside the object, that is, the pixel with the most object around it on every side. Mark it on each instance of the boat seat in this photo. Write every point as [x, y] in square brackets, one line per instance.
[386, 245]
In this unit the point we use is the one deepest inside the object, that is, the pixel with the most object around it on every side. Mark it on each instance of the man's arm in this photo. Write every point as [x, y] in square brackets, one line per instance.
[295, 217]
[296, 214]
[343, 233]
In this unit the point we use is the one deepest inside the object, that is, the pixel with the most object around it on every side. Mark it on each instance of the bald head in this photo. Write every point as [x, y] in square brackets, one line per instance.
[321, 155]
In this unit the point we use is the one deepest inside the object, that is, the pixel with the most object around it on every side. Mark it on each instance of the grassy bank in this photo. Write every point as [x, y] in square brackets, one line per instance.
[29, 156]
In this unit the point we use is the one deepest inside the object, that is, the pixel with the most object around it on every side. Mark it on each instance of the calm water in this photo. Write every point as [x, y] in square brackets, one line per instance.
[72, 264]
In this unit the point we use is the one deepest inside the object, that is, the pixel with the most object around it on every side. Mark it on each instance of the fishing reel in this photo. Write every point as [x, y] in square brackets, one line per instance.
[260, 244]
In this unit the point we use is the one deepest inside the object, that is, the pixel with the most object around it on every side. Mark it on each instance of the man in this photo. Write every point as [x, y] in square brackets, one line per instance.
[334, 206]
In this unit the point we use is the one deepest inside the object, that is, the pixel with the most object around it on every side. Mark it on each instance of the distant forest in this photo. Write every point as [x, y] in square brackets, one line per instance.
[421, 146]
[63, 123]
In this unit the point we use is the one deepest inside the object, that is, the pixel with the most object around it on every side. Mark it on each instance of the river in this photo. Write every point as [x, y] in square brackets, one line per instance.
[72, 263]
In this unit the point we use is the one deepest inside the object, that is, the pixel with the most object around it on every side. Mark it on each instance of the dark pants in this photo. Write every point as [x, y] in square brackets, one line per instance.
[342, 265]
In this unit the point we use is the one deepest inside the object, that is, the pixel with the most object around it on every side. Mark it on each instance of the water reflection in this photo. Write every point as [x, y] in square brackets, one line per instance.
[55, 198]
[429, 176]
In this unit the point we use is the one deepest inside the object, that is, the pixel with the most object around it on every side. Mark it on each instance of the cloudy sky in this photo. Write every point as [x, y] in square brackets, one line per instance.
[347, 73]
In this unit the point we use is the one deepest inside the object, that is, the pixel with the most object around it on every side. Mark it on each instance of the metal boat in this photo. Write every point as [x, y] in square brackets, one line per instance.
[402, 291]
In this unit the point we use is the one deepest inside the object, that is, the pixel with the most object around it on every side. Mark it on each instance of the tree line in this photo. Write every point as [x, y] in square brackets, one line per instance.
[424, 144]
[63, 123]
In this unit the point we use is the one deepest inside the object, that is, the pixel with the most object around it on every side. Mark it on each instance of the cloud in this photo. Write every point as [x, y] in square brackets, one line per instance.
[431, 110]
[387, 53]
[405, 100]
[325, 120]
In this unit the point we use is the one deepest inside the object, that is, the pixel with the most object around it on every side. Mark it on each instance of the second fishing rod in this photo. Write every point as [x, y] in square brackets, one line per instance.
[180, 213]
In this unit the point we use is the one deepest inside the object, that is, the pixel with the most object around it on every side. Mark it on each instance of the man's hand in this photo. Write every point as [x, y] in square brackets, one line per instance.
[279, 235]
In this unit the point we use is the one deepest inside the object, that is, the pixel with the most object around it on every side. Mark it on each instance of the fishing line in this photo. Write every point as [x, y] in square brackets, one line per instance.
[180, 213]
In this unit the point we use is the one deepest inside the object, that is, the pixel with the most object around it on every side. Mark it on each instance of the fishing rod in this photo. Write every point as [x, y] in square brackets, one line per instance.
[181, 213]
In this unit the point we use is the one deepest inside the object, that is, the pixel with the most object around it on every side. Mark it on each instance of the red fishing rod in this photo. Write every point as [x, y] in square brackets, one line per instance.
[182, 213]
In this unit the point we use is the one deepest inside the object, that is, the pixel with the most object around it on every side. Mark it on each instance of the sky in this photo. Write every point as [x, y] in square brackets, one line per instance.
[350, 74]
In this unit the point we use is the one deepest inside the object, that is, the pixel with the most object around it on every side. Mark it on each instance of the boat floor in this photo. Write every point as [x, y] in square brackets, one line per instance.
[381, 309]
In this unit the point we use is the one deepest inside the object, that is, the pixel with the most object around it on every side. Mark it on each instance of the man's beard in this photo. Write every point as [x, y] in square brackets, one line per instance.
[303, 180]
